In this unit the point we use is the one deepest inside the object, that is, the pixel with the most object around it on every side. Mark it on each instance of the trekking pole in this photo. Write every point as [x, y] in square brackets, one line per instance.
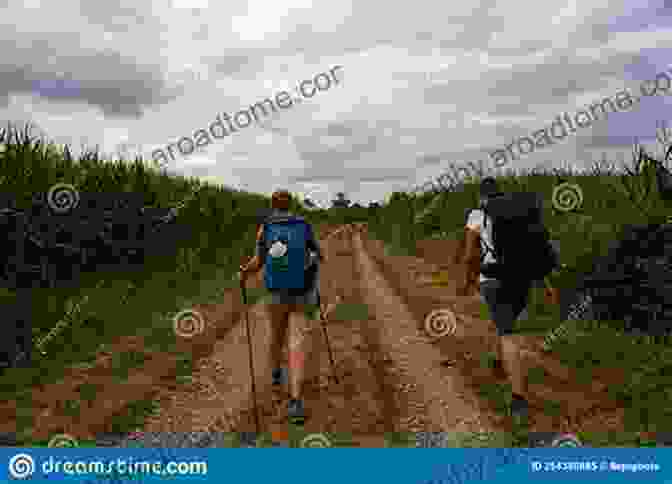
[326, 337]
[249, 342]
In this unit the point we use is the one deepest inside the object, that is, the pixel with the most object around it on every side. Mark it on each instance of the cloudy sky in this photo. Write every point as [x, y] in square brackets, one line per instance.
[422, 83]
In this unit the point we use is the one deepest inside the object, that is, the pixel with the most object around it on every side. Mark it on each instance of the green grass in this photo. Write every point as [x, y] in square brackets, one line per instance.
[609, 203]
[400, 439]
[45, 443]
[351, 312]
[593, 346]
[121, 302]
[133, 417]
[129, 420]
[116, 302]
[123, 363]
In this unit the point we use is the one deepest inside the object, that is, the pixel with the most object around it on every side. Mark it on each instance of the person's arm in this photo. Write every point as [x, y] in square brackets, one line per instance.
[472, 248]
[471, 253]
[257, 262]
[472, 245]
[313, 244]
[472, 235]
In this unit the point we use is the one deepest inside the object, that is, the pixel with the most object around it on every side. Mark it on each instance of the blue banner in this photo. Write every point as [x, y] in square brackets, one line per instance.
[336, 466]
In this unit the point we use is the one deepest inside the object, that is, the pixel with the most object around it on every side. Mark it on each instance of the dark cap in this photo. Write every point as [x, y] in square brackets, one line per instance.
[488, 186]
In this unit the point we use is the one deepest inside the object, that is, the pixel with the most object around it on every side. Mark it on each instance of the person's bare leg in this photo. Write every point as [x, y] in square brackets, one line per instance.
[499, 353]
[279, 328]
[513, 365]
[298, 321]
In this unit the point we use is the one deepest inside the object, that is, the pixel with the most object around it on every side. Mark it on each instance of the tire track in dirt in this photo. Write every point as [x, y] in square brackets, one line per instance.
[155, 379]
[361, 404]
[390, 379]
[220, 398]
[582, 407]
[158, 373]
[429, 399]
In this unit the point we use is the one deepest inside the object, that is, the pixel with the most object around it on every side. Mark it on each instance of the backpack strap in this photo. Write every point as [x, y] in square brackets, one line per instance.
[488, 248]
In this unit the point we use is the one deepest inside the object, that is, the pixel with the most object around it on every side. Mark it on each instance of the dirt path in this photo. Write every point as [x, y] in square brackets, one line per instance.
[390, 379]
[393, 377]
[220, 397]
[559, 403]
[432, 398]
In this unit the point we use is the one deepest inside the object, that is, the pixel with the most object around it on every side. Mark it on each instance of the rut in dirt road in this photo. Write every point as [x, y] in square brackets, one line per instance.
[219, 397]
[390, 378]
[362, 403]
[390, 375]
[432, 398]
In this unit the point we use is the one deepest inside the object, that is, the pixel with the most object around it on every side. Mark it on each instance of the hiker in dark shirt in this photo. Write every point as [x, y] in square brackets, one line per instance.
[506, 299]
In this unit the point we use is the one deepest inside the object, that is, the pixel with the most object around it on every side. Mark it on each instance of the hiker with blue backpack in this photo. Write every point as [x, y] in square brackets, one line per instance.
[515, 251]
[290, 253]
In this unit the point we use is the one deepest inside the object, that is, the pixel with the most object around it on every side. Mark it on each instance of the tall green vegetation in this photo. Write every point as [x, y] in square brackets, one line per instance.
[219, 231]
[611, 200]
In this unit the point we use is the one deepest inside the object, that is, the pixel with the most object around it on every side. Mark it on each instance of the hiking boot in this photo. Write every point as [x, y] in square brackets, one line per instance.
[498, 369]
[248, 439]
[296, 412]
[279, 376]
[519, 407]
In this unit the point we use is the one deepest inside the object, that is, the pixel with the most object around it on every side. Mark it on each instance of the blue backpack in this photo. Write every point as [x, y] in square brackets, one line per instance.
[286, 239]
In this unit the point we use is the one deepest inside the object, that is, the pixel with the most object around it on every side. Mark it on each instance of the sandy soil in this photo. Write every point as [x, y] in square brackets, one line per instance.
[393, 375]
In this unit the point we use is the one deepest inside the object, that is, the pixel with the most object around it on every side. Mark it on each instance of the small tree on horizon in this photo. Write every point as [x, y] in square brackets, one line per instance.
[341, 201]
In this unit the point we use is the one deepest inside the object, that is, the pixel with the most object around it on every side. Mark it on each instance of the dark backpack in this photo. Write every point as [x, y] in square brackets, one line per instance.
[286, 270]
[521, 243]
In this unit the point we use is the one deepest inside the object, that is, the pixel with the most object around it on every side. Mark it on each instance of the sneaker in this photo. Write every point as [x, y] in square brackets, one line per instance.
[519, 406]
[248, 439]
[295, 411]
[279, 376]
[498, 369]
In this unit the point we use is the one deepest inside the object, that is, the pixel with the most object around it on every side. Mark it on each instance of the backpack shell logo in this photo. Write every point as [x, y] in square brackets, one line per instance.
[278, 249]
[278, 253]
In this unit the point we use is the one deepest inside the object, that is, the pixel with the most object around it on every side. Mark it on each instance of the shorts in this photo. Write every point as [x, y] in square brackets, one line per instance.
[308, 299]
[506, 301]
